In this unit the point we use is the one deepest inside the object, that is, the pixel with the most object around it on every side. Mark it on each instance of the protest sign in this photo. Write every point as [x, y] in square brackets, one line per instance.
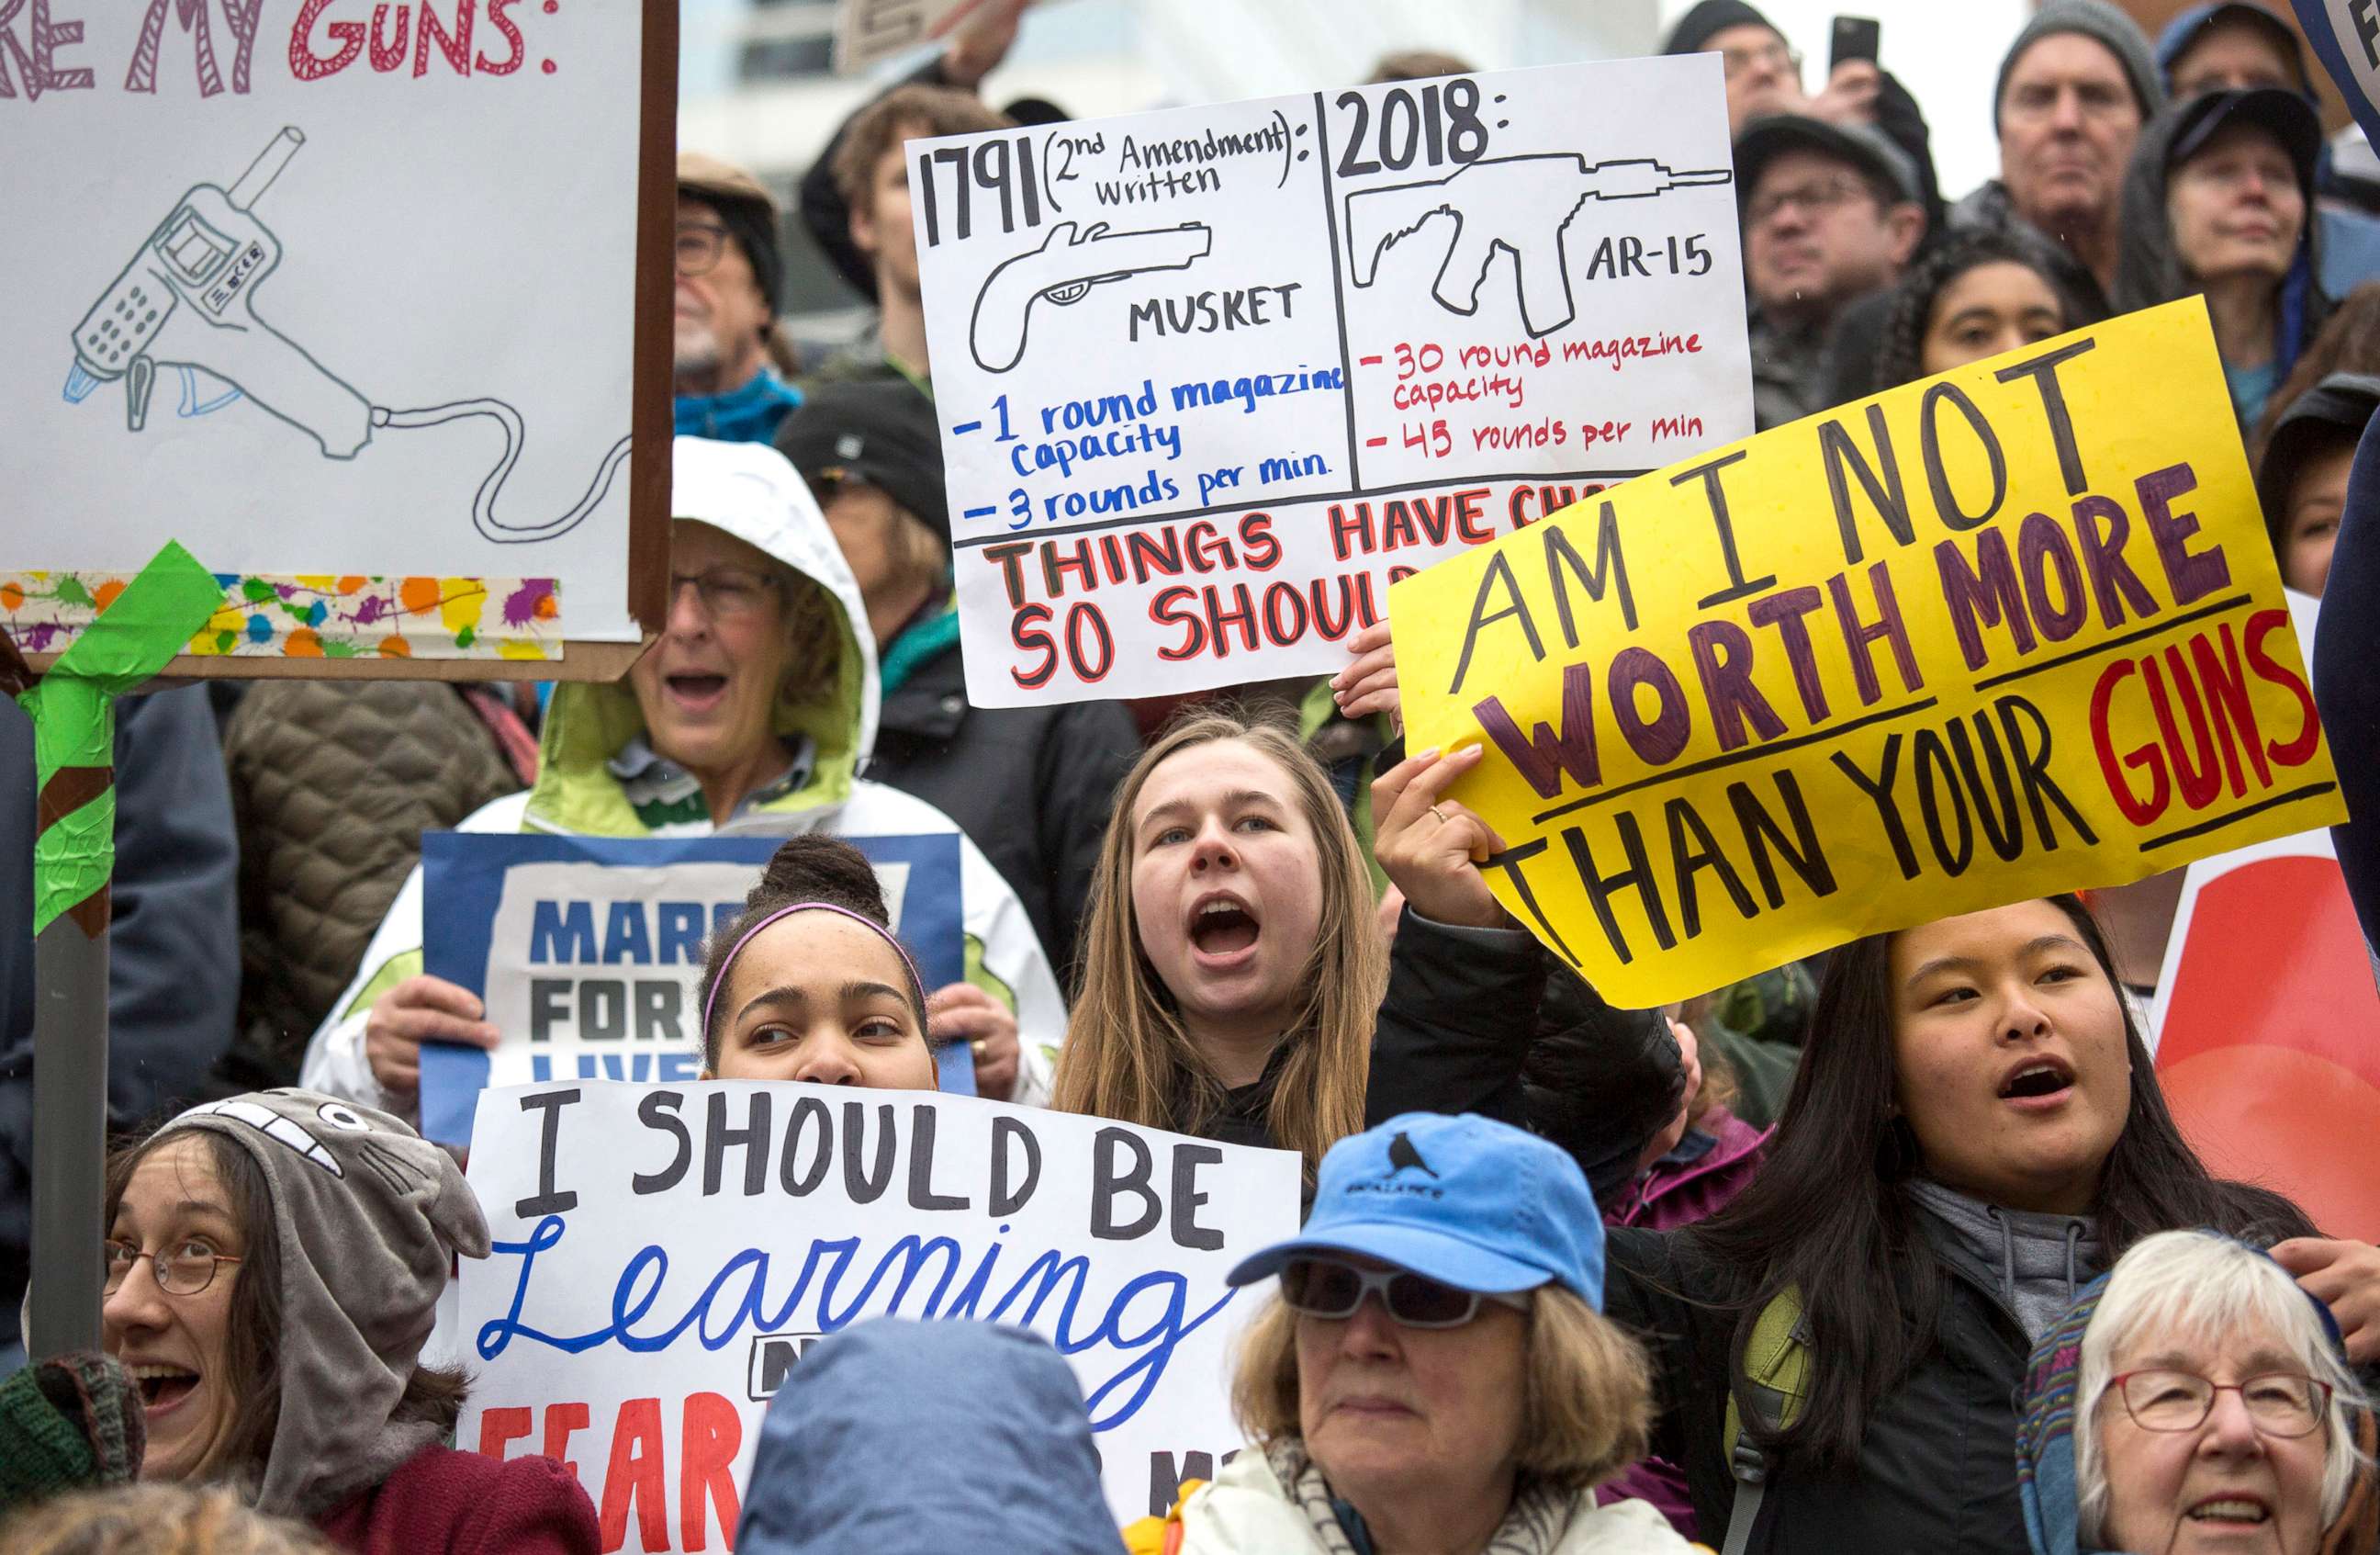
[2265, 1007]
[319, 291]
[1208, 379]
[664, 1256]
[868, 33]
[587, 951]
[2010, 630]
[2264, 1018]
[2345, 35]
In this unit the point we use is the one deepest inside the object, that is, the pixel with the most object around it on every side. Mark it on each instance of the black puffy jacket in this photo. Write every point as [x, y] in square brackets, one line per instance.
[1530, 1063]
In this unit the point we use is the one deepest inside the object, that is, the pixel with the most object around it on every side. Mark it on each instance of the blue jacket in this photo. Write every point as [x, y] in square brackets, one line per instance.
[173, 946]
[901, 1438]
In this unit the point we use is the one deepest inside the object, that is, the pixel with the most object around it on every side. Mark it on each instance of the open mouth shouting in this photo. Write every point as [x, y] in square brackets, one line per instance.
[165, 1386]
[2037, 1083]
[1225, 931]
[695, 691]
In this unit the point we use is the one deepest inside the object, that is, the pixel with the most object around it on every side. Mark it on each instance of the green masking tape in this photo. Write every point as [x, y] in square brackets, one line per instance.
[73, 711]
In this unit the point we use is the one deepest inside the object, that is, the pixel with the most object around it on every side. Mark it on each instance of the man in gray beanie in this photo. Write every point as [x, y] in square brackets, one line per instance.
[2073, 91]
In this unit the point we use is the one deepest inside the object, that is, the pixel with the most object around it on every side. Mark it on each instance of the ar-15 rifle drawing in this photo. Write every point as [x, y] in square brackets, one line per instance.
[1064, 270]
[1550, 190]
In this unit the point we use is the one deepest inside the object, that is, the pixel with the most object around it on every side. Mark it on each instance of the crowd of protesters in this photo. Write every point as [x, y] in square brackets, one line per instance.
[1895, 1248]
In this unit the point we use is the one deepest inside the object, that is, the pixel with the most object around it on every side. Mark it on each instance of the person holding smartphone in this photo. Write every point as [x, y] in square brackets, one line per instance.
[1763, 71]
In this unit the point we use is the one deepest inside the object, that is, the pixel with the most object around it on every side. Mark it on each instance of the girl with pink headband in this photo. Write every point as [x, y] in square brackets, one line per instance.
[809, 983]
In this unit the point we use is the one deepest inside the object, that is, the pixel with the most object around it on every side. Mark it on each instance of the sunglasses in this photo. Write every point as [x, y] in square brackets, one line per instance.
[1327, 1288]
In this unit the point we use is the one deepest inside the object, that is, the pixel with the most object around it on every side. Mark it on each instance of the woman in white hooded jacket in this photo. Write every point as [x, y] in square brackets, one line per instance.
[755, 712]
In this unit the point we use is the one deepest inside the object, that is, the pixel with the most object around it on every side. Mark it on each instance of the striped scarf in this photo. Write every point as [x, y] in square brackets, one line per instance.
[2044, 1432]
[1532, 1526]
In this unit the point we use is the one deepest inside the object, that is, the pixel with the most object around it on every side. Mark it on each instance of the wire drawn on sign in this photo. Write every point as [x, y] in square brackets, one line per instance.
[1064, 270]
[1534, 199]
[188, 300]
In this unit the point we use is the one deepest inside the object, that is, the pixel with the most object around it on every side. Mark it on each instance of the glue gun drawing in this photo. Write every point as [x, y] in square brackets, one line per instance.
[1550, 189]
[188, 299]
[1064, 270]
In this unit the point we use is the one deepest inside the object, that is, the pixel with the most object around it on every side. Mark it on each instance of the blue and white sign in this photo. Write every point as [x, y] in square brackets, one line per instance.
[587, 951]
[2346, 38]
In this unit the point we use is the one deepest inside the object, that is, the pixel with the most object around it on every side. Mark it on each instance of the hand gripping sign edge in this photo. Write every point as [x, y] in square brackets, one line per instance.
[1064, 270]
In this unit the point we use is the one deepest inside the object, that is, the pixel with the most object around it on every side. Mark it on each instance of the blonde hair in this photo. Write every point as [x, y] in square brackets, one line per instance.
[154, 1518]
[2201, 1286]
[1128, 1055]
[1586, 1403]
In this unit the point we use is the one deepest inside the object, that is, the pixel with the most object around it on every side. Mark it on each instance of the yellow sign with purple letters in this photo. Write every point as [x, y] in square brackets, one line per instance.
[2010, 630]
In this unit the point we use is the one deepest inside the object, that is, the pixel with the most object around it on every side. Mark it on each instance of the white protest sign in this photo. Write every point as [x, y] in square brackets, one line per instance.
[665, 1255]
[868, 33]
[1210, 379]
[327, 292]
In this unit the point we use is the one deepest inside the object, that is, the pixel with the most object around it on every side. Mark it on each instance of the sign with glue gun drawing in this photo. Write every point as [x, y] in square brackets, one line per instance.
[587, 951]
[665, 1255]
[2007, 631]
[1210, 379]
[323, 293]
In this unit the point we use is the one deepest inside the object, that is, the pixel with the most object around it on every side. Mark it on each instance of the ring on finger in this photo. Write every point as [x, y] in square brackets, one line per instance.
[1441, 815]
[977, 1046]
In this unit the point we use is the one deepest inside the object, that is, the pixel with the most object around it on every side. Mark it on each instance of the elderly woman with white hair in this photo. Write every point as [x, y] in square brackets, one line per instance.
[2196, 1398]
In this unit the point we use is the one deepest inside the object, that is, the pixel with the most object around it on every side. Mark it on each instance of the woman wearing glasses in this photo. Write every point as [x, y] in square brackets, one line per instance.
[1974, 1132]
[2194, 1400]
[273, 1263]
[752, 713]
[1436, 1375]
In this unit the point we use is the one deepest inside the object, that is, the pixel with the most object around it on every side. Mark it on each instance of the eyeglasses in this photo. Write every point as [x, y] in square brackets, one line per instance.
[185, 1270]
[2281, 1404]
[726, 592]
[1810, 198]
[1327, 1288]
[1735, 62]
[699, 244]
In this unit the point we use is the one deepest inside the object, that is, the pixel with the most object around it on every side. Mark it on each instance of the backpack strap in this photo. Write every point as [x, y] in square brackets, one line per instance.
[1776, 1374]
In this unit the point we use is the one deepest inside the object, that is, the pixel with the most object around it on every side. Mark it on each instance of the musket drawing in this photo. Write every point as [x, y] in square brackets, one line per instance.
[1064, 270]
[1545, 192]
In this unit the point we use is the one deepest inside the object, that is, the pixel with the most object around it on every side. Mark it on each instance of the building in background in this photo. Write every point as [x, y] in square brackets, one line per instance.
[756, 83]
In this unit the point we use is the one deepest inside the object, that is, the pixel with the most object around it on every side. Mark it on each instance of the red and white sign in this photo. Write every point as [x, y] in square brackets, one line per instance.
[2268, 1030]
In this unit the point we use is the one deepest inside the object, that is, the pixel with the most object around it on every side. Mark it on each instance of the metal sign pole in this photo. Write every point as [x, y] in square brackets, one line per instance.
[69, 1132]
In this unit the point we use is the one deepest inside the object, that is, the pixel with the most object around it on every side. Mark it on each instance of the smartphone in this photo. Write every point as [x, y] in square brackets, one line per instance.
[1855, 38]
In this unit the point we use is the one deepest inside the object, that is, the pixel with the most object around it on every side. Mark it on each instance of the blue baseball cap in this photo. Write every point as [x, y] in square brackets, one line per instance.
[1467, 1201]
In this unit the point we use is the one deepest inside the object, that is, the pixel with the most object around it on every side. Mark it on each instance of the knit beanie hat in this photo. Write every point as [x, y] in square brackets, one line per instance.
[2103, 24]
[1696, 28]
[880, 433]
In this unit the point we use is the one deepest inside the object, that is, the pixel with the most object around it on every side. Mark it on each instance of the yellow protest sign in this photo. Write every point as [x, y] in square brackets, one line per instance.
[2010, 630]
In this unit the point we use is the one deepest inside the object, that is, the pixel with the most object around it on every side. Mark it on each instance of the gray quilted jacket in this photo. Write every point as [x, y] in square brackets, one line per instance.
[333, 783]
